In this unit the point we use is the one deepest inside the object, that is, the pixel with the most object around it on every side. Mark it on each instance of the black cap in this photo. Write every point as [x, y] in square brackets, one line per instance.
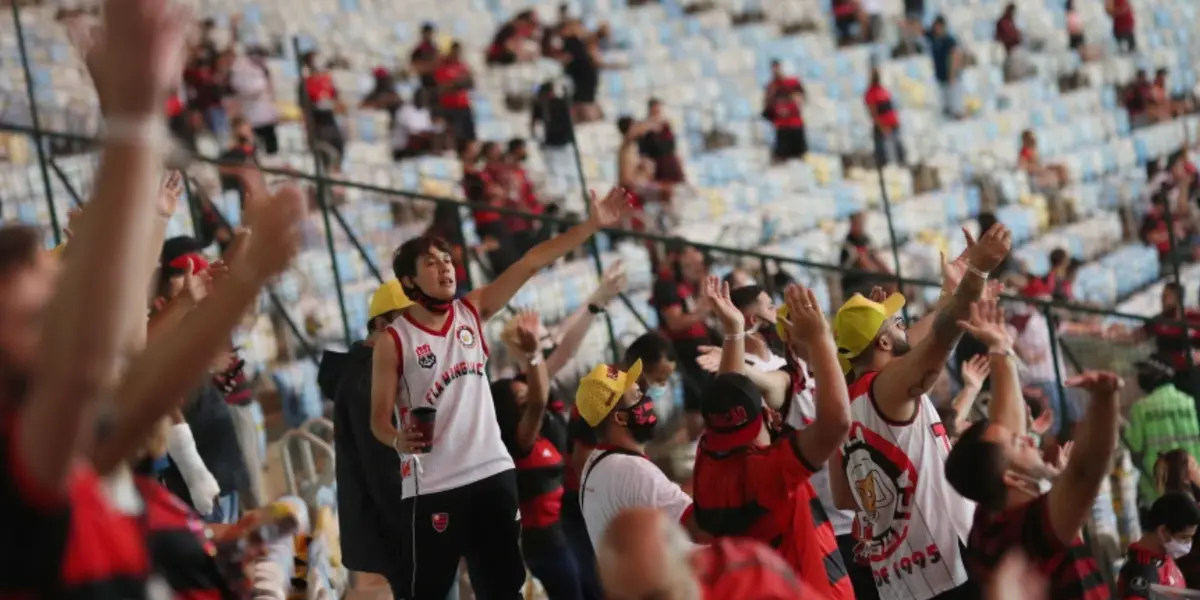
[732, 410]
[746, 295]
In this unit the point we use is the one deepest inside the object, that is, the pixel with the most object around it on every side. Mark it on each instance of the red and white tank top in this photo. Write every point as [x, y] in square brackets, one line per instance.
[911, 525]
[446, 370]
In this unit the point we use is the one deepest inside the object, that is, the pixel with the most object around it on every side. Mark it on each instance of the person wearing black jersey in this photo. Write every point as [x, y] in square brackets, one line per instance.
[527, 431]
[682, 317]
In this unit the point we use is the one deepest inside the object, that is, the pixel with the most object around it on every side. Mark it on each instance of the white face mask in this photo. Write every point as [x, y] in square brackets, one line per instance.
[1176, 548]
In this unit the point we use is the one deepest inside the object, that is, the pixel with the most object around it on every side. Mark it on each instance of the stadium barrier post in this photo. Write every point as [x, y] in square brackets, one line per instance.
[592, 244]
[38, 141]
[71, 192]
[891, 225]
[322, 188]
[1055, 353]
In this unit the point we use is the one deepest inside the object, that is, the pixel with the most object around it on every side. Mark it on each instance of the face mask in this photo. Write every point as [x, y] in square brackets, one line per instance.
[1176, 548]
[656, 393]
[641, 420]
[429, 303]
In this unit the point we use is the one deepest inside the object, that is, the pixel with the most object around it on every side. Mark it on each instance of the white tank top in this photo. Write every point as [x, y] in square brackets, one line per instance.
[911, 525]
[447, 370]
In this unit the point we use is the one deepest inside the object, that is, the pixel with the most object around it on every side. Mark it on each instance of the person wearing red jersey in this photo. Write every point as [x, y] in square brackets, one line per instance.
[910, 526]
[322, 103]
[996, 464]
[682, 316]
[886, 119]
[454, 83]
[782, 104]
[643, 554]
[773, 501]
[1151, 560]
[1123, 24]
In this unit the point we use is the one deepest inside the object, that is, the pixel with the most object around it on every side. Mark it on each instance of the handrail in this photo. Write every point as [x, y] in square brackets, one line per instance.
[71, 191]
[646, 236]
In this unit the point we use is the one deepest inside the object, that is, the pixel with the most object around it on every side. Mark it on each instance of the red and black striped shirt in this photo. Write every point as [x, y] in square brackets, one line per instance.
[741, 568]
[64, 545]
[1143, 568]
[763, 493]
[1070, 568]
[180, 545]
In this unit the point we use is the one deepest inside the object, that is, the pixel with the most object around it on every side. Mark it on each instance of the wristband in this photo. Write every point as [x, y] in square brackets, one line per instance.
[735, 336]
[595, 309]
[976, 272]
[533, 359]
[1006, 353]
[144, 131]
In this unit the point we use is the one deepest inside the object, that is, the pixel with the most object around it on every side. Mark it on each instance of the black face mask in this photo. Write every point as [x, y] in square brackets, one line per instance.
[641, 421]
[429, 303]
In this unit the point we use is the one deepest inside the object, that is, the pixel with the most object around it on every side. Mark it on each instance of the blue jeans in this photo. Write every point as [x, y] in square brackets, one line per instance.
[226, 510]
[557, 570]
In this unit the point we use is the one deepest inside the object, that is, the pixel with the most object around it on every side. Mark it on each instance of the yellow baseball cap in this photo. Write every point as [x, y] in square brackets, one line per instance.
[390, 296]
[858, 322]
[600, 390]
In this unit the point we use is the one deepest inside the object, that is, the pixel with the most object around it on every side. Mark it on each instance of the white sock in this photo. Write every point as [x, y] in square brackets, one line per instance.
[202, 486]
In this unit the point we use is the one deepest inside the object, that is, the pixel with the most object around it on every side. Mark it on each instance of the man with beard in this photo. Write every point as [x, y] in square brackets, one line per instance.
[996, 464]
[911, 526]
[618, 475]
[433, 377]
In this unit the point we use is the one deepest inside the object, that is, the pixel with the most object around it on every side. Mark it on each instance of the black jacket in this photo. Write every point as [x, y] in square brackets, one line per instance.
[368, 472]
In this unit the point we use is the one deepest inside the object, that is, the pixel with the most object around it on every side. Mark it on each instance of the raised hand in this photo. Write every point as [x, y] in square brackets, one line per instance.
[987, 325]
[990, 250]
[140, 54]
[1042, 424]
[953, 271]
[607, 211]
[975, 371]
[196, 285]
[1064, 456]
[277, 222]
[806, 323]
[709, 359]
[1101, 384]
[612, 282]
[716, 292]
[877, 294]
[525, 335]
[169, 193]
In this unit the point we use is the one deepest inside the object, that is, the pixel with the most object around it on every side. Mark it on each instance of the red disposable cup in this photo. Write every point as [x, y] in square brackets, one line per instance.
[423, 419]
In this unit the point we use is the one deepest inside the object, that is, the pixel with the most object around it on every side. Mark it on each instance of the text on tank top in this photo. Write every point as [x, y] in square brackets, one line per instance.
[446, 370]
[911, 524]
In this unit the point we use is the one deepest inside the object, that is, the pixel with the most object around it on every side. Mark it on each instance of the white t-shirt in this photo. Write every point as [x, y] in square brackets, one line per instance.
[410, 120]
[253, 88]
[623, 480]
[447, 370]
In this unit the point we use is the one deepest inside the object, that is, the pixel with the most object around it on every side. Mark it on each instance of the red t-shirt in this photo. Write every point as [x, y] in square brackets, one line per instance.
[763, 493]
[321, 91]
[880, 100]
[1069, 567]
[1122, 17]
[73, 545]
[174, 106]
[741, 568]
[447, 73]
[1143, 568]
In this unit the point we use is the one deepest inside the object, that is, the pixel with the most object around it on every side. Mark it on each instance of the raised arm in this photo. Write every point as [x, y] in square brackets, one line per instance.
[952, 274]
[733, 325]
[576, 326]
[901, 384]
[774, 385]
[831, 419]
[524, 343]
[974, 372]
[1071, 498]
[606, 211]
[173, 364]
[1007, 406]
[104, 274]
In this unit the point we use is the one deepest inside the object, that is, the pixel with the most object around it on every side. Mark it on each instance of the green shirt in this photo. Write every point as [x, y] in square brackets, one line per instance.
[1163, 421]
